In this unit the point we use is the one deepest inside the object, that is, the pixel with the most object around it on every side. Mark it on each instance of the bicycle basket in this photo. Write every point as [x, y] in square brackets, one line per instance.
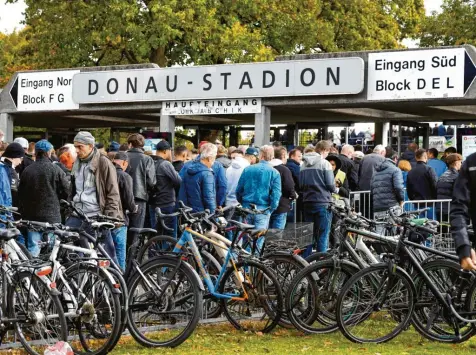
[295, 235]
[444, 242]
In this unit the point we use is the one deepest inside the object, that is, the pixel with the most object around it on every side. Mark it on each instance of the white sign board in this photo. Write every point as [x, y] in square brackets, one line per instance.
[439, 143]
[468, 146]
[419, 74]
[211, 107]
[336, 76]
[45, 91]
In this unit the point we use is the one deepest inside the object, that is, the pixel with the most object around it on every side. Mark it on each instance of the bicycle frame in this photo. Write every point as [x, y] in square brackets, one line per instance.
[187, 238]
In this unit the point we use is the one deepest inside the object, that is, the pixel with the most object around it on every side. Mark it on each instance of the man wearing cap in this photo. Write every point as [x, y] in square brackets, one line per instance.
[42, 186]
[28, 159]
[124, 180]
[163, 195]
[252, 155]
[94, 185]
[11, 158]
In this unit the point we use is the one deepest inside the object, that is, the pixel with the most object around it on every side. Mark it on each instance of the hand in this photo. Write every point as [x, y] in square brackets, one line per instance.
[338, 183]
[469, 263]
[401, 204]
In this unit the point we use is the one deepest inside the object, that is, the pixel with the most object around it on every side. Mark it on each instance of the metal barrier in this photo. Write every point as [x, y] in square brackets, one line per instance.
[361, 202]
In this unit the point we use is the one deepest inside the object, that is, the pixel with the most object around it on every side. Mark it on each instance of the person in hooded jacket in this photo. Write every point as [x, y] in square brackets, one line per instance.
[288, 192]
[316, 182]
[238, 164]
[386, 186]
[446, 183]
[341, 181]
[409, 154]
[11, 160]
[197, 190]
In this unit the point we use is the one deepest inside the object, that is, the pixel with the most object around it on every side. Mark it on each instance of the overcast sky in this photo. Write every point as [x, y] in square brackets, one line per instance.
[11, 14]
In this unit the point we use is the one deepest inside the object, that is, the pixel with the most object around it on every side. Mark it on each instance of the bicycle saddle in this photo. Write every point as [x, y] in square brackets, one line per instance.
[67, 236]
[7, 234]
[242, 226]
[256, 233]
[142, 230]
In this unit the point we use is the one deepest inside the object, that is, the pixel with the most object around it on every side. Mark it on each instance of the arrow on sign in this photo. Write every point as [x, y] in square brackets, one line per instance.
[469, 71]
[14, 92]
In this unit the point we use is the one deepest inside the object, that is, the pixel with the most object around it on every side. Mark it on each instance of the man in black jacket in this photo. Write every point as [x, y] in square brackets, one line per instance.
[348, 167]
[42, 186]
[180, 157]
[463, 211]
[421, 180]
[124, 181]
[143, 177]
[294, 165]
[163, 195]
[288, 191]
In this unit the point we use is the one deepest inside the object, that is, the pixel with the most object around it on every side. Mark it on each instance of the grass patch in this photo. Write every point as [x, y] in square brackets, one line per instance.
[223, 339]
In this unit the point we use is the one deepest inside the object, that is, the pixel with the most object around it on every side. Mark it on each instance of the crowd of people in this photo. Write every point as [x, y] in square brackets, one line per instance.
[126, 182]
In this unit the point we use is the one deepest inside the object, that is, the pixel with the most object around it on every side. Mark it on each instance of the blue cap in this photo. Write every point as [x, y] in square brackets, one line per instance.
[252, 151]
[43, 146]
[114, 146]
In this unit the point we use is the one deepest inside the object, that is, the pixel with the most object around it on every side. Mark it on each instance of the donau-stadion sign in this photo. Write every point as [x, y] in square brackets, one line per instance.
[336, 76]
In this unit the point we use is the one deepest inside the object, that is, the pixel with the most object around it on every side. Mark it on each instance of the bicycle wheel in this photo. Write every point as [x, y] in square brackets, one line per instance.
[156, 246]
[286, 266]
[41, 318]
[432, 319]
[376, 304]
[165, 302]
[99, 324]
[318, 256]
[312, 295]
[256, 302]
[123, 297]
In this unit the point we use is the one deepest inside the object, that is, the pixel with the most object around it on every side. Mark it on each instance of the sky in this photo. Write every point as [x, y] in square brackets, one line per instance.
[11, 14]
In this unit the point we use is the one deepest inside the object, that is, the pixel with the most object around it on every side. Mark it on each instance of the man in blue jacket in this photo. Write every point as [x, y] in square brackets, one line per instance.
[198, 182]
[260, 184]
[219, 174]
[316, 181]
[438, 165]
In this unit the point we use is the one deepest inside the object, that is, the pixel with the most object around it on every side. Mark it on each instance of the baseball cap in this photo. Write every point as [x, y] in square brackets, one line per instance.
[163, 145]
[22, 141]
[121, 156]
[252, 151]
[43, 146]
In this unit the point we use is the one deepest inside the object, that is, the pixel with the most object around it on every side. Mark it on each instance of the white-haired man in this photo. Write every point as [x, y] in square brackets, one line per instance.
[260, 184]
[198, 181]
[348, 166]
[368, 166]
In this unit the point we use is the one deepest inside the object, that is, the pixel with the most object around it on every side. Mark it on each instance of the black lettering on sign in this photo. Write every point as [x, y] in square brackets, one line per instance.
[225, 82]
[265, 75]
[448, 85]
[335, 78]
[167, 104]
[151, 85]
[132, 86]
[63, 82]
[116, 86]
[208, 82]
[421, 84]
[246, 77]
[313, 77]
[92, 83]
[254, 102]
[168, 84]
[436, 83]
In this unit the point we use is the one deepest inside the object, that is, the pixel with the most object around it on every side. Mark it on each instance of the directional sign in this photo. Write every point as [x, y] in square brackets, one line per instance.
[420, 74]
[340, 76]
[44, 91]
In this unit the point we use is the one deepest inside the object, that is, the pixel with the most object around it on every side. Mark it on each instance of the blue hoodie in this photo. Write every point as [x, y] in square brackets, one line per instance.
[198, 187]
[438, 165]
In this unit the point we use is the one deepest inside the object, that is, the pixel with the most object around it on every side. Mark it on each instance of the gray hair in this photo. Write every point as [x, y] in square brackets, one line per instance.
[266, 153]
[379, 149]
[347, 149]
[208, 150]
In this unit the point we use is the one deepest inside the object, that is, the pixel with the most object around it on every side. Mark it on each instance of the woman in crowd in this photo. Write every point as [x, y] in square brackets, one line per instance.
[405, 167]
[339, 176]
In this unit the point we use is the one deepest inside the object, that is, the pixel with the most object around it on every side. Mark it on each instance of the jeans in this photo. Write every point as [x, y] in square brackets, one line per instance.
[278, 220]
[119, 237]
[260, 221]
[322, 218]
[34, 239]
[84, 242]
[170, 222]
[136, 220]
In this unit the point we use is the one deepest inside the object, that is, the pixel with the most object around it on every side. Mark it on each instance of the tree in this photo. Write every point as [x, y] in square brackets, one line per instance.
[184, 32]
[16, 54]
[453, 26]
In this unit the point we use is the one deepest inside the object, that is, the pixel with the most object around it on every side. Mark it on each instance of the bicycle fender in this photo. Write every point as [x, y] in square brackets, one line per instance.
[296, 257]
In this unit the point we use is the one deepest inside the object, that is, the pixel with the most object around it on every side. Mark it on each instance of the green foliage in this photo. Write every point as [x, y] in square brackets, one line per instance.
[453, 26]
[169, 32]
